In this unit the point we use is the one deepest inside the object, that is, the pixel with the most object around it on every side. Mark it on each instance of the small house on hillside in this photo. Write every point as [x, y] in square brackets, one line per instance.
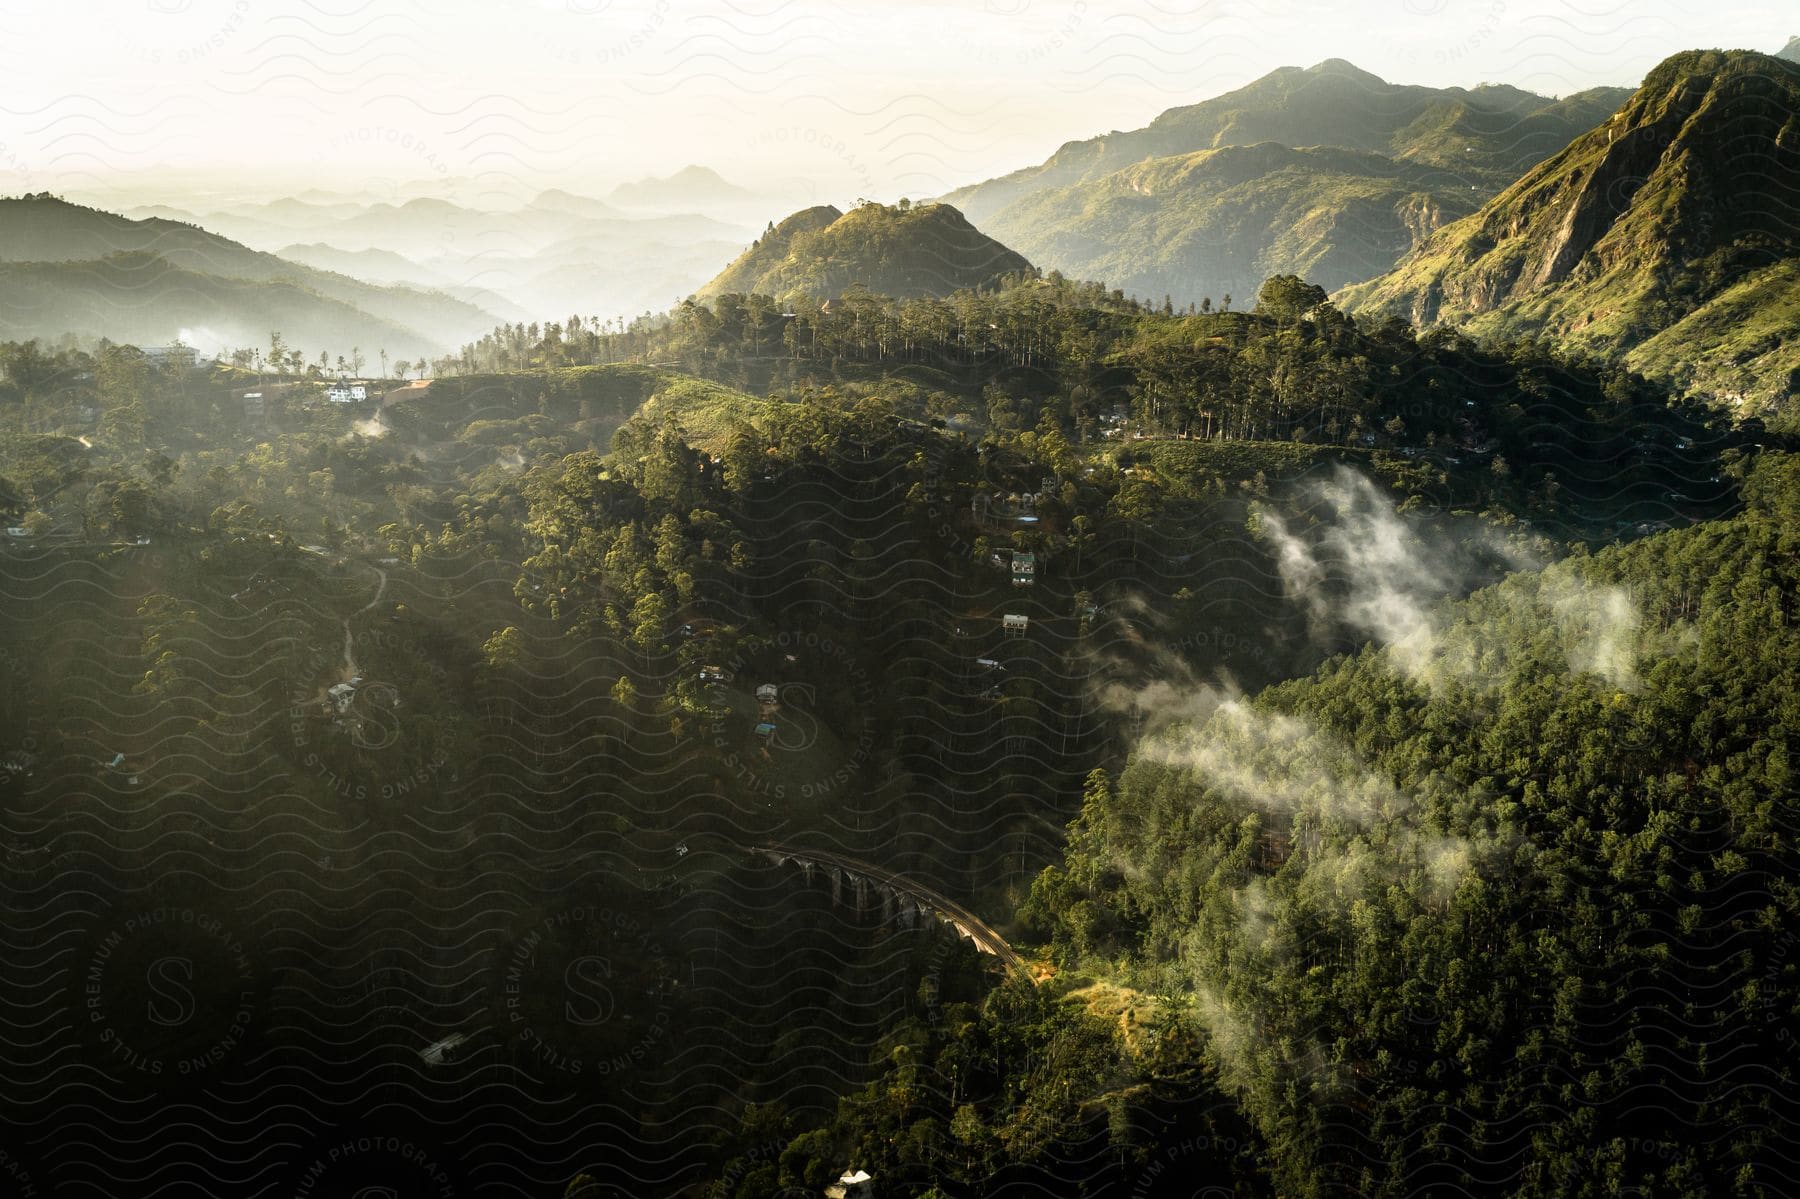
[767, 694]
[1014, 623]
[1024, 569]
[347, 393]
[852, 1184]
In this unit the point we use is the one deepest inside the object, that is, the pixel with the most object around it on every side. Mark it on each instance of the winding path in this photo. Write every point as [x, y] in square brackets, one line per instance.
[349, 657]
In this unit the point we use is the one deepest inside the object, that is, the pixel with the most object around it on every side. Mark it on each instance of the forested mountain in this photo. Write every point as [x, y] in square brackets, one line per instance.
[902, 250]
[557, 577]
[1492, 131]
[1165, 210]
[205, 281]
[558, 253]
[1666, 236]
[1207, 225]
[1504, 905]
[144, 300]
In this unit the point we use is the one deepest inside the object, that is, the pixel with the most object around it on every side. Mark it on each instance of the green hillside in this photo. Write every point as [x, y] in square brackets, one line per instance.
[1214, 197]
[1218, 222]
[1685, 199]
[1491, 131]
[1505, 901]
[902, 251]
[43, 228]
[146, 300]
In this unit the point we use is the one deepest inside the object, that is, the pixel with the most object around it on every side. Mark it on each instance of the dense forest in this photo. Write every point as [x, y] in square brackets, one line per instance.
[1371, 744]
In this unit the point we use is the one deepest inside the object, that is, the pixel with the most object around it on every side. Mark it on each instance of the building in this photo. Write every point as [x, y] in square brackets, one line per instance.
[713, 674]
[1014, 623]
[852, 1184]
[176, 356]
[765, 730]
[1024, 568]
[347, 393]
[767, 694]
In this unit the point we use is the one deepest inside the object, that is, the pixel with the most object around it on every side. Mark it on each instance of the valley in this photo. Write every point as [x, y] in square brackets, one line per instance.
[1255, 657]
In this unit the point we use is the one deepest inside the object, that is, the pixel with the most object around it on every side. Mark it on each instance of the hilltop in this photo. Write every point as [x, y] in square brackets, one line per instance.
[1163, 209]
[1666, 235]
[903, 251]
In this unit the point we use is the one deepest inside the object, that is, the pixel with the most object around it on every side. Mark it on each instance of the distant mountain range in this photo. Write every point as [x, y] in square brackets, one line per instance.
[1667, 235]
[903, 251]
[560, 253]
[1328, 172]
[691, 189]
[75, 269]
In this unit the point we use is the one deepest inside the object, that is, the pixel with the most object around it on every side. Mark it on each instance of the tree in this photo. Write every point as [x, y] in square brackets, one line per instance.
[503, 650]
[1289, 298]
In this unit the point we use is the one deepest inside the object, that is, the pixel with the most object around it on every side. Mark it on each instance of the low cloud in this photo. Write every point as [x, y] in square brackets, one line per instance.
[1365, 569]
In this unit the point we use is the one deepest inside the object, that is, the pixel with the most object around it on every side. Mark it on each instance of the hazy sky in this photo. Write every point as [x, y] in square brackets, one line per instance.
[820, 99]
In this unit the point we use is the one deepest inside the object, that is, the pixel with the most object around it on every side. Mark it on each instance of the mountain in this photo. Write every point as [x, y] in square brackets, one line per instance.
[48, 230]
[1791, 51]
[384, 266]
[902, 251]
[1328, 172]
[569, 204]
[145, 300]
[592, 258]
[1487, 134]
[691, 189]
[1667, 236]
[380, 266]
[1219, 222]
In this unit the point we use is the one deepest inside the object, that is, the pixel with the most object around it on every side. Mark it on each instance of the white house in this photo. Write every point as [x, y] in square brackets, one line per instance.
[1015, 623]
[346, 393]
[851, 1184]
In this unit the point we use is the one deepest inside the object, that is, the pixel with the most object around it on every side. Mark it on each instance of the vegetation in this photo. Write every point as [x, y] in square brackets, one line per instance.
[1386, 786]
[902, 250]
[69, 269]
[1204, 225]
[1678, 211]
[1405, 902]
[1327, 172]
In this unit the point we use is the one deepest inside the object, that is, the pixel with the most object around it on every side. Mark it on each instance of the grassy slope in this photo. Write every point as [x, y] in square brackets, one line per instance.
[1638, 227]
[1221, 221]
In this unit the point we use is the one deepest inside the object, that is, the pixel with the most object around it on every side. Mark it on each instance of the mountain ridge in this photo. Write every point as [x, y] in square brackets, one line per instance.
[1425, 155]
[1686, 193]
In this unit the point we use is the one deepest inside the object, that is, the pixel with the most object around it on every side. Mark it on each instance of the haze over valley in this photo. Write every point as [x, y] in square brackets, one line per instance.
[1041, 598]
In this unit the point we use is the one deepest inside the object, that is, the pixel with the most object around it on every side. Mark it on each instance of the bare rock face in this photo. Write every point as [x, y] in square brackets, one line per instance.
[1421, 214]
[1690, 185]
